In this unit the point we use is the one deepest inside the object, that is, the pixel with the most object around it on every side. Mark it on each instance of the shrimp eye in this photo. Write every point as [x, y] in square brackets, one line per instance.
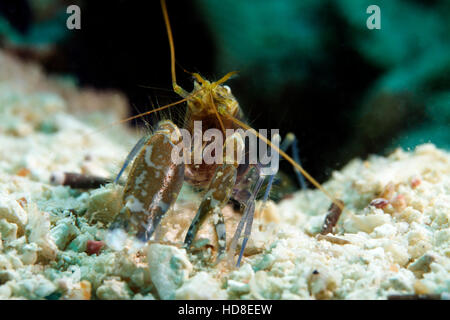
[227, 88]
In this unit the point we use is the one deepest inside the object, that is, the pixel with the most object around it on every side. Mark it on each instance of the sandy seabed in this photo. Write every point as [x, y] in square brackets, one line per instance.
[399, 245]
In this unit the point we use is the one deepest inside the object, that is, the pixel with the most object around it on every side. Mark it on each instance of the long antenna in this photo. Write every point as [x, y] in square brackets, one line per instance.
[288, 158]
[172, 47]
[176, 87]
[139, 115]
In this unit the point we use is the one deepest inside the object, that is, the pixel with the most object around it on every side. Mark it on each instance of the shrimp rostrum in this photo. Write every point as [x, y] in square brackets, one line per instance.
[155, 179]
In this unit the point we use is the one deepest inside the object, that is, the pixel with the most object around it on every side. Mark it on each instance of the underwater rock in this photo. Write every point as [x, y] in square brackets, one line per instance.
[113, 289]
[12, 212]
[80, 291]
[104, 203]
[169, 269]
[202, 286]
[38, 230]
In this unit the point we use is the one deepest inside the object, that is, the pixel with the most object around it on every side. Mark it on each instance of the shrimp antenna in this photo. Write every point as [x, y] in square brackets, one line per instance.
[188, 96]
[288, 158]
[139, 115]
[171, 44]
[176, 87]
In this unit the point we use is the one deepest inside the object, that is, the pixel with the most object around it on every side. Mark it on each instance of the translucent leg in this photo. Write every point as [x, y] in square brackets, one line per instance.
[247, 231]
[268, 188]
[276, 139]
[291, 141]
[247, 221]
[131, 156]
[247, 218]
[218, 194]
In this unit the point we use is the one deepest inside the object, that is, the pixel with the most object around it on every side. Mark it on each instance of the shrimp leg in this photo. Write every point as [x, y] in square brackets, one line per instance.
[291, 141]
[219, 192]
